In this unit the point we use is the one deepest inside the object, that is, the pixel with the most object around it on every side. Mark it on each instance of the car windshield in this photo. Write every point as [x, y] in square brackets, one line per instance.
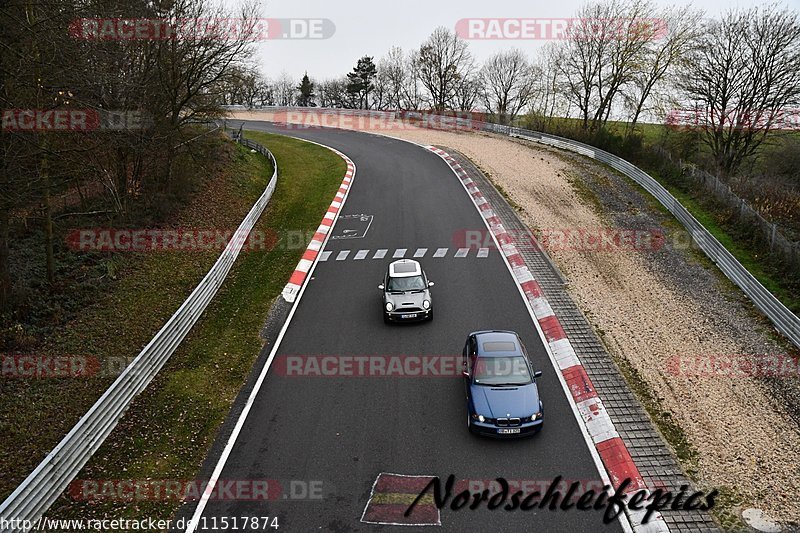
[411, 283]
[502, 371]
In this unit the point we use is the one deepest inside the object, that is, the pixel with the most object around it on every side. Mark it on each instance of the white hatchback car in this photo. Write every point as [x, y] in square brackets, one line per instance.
[406, 293]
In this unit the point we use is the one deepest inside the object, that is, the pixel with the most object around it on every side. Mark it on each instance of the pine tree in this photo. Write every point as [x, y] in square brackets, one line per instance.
[360, 82]
[306, 89]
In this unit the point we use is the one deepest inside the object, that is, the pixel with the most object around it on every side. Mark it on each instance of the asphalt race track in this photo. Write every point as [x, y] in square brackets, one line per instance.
[337, 434]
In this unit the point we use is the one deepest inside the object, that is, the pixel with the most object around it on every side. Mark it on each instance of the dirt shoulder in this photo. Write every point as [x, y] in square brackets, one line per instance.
[653, 307]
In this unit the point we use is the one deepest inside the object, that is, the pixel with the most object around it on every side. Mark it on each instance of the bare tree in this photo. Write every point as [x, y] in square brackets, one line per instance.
[744, 73]
[264, 92]
[333, 93]
[444, 61]
[413, 93]
[392, 77]
[549, 93]
[507, 83]
[580, 61]
[468, 92]
[242, 85]
[604, 49]
[45, 67]
[660, 57]
[285, 90]
[381, 98]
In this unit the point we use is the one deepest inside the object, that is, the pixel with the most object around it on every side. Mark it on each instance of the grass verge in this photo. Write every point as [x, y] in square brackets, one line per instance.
[169, 429]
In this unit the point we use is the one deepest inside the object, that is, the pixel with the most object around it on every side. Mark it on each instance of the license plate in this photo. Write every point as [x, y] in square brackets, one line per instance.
[508, 431]
[412, 315]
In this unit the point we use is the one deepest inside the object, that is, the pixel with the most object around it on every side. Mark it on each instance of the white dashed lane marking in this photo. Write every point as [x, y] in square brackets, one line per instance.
[419, 253]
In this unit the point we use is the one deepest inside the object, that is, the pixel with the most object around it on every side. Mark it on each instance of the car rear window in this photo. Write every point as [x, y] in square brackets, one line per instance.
[405, 268]
[500, 346]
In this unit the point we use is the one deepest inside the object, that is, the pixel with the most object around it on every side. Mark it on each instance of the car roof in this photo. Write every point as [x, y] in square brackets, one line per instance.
[497, 336]
[404, 268]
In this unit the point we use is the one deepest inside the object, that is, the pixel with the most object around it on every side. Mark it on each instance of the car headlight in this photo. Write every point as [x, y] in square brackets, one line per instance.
[479, 418]
[389, 306]
[426, 304]
[537, 416]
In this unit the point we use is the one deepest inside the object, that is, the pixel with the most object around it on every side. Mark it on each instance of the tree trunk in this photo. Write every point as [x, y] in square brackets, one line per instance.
[5, 265]
[44, 173]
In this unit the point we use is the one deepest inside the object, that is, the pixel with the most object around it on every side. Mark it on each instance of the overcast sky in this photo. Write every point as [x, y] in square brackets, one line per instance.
[372, 27]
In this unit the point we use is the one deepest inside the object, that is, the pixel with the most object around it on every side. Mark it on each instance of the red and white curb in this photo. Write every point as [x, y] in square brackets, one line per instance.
[609, 445]
[321, 235]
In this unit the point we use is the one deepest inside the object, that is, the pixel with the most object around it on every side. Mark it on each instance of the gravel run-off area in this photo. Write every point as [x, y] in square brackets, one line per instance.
[663, 309]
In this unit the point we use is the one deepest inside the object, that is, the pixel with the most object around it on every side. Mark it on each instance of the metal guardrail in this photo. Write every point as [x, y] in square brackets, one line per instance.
[44, 485]
[784, 320]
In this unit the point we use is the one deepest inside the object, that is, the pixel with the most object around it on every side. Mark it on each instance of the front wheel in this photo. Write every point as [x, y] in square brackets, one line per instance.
[430, 315]
[385, 318]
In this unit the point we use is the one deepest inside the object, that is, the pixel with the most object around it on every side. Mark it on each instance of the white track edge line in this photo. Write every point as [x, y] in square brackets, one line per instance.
[201, 505]
[622, 517]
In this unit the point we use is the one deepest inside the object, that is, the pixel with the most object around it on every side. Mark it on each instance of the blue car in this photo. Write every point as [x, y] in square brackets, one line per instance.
[502, 396]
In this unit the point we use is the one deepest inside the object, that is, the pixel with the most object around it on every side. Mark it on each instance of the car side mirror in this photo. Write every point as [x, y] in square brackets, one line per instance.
[537, 374]
[431, 284]
[381, 287]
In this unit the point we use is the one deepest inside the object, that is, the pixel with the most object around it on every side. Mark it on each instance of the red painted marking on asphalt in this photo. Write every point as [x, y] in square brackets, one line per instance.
[310, 254]
[394, 513]
[387, 513]
[405, 484]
